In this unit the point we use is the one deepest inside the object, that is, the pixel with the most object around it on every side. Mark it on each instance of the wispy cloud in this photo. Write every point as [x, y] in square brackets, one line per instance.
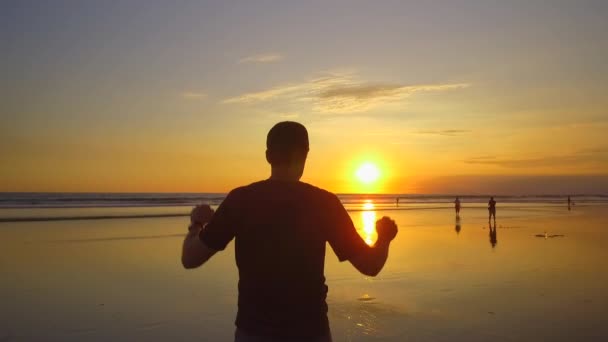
[262, 58]
[516, 184]
[264, 95]
[594, 156]
[341, 93]
[482, 158]
[289, 115]
[446, 132]
[190, 95]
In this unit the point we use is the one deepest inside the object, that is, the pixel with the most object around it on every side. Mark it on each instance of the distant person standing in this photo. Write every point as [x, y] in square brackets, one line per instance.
[492, 209]
[457, 206]
[569, 202]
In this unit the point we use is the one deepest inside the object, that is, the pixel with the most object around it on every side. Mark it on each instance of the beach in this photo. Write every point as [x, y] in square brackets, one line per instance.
[120, 117]
[540, 277]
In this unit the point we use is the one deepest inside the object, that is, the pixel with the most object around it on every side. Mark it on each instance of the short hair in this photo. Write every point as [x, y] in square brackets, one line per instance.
[286, 142]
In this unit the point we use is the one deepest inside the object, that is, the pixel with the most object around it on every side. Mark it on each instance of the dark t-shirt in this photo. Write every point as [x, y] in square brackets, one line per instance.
[281, 229]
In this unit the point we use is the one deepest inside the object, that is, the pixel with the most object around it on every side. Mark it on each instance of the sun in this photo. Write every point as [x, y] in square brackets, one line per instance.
[368, 173]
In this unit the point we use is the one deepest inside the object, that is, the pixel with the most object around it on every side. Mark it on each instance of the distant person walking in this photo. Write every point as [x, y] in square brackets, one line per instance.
[457, 206]
[492, 209]
[281, 227]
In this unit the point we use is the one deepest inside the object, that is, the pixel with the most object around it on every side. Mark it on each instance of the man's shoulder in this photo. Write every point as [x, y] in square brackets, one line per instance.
[327, 195]
[303, 186]
[315, 188]
[249, 189]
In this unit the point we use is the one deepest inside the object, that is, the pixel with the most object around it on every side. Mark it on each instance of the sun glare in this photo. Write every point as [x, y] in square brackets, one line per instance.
[368, 173]
[368, 217]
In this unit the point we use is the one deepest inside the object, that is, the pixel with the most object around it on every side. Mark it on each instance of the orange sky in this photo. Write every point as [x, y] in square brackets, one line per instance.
[469, 98]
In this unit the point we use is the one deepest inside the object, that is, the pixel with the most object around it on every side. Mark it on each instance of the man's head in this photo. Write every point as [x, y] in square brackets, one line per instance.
[287, 148]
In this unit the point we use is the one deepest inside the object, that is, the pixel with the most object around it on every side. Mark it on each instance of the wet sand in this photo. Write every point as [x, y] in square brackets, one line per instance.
[121, 280]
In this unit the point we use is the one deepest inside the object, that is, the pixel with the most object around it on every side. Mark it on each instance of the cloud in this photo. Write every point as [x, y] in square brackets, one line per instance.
[289, 115]
[595, 150]
[193, 95]
[447, 132]
[355, 98]
[516, 184]
[592, 156]
[261, 58]
[361, 91]
[264, 95]
[341, 93]
[483, 158]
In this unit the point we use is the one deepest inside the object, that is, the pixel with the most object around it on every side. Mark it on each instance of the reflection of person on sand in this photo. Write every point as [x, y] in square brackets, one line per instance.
[457, 206]
[458, 227]
[281, 227]
[493, 238]
[492, 209]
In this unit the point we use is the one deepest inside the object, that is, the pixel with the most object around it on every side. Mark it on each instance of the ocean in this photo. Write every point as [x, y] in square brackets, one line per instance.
[28, 206]
[82, 200]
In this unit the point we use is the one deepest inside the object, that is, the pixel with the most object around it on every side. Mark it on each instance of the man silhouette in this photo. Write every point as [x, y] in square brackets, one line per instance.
[281, 227]
[492, 209]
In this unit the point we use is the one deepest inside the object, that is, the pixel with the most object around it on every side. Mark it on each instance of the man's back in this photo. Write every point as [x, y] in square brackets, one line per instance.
[281, 229]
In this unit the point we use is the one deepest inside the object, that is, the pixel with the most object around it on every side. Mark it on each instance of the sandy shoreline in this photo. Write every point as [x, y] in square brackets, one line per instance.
[121, 279]
[41, 214]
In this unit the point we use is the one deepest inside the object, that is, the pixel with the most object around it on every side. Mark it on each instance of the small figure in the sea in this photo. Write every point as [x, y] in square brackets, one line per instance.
[569, 203]
[458, 226]
[397, 201]
[457, 206]
[492, 209]
[281, 227]
[493, 237]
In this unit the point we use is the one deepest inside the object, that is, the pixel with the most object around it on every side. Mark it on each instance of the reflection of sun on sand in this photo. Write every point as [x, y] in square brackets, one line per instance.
[368, 217]
[370, 319]
[366, 298]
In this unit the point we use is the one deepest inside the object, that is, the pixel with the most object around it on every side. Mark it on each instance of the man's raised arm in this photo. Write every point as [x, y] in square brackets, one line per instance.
[194, 251]
[371, 260]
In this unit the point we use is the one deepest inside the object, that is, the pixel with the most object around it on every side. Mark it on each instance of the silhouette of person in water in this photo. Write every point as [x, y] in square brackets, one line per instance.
[457, 206]
[569, 203]
[281, 227]
[493, 238]
[492, 209]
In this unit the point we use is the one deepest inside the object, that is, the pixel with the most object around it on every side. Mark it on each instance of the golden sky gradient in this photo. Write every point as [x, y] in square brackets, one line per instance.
[459, 96]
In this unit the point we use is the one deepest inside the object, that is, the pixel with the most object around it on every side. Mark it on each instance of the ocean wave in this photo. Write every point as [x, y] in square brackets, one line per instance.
[112, 200]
